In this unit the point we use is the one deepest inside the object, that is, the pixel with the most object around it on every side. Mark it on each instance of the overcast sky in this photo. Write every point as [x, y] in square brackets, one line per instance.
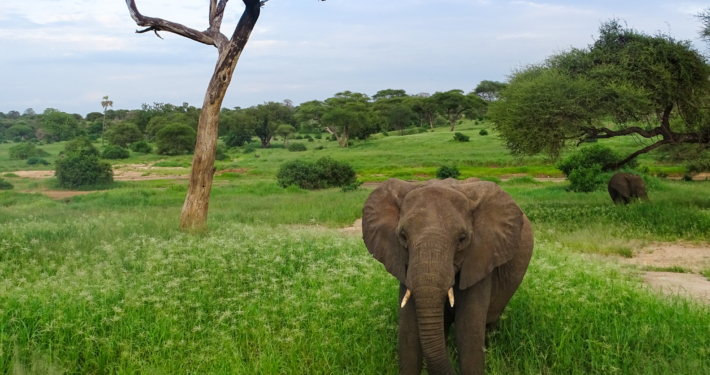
[68, 54]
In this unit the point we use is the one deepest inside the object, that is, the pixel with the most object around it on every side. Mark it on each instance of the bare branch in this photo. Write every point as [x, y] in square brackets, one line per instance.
[619, 164]
[157, 24]
[217, 14]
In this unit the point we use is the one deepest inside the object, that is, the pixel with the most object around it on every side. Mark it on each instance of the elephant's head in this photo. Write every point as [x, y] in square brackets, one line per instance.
[427, 234]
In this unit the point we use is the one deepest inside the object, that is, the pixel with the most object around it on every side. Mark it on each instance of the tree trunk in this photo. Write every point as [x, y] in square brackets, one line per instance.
[194, 211]
[452, 122]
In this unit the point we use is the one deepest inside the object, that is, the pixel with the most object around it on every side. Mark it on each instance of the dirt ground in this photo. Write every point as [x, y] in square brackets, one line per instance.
[687, 284]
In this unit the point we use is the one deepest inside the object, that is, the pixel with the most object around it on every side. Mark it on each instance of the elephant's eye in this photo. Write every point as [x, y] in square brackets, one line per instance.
[462, 239]
[403, 238]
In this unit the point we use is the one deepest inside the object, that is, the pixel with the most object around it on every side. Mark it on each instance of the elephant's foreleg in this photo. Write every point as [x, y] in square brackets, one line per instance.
[411, 357]
[470, 326]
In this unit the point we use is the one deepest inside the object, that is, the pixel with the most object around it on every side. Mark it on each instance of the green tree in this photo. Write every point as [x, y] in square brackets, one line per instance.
[389, 94]
[454, 105]
[176, 139]
[285, 131]
[19, 130]
[59, 126]
[346, 113]
[489, 90]
[626, 83]
[400, 117]
[267, 118]
[105, 103]
[124, 134]
[94, 116]
[81, 166]
[704, 17]
[425, 107]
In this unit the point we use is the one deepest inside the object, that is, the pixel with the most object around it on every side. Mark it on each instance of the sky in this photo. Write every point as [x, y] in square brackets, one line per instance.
[68, 54]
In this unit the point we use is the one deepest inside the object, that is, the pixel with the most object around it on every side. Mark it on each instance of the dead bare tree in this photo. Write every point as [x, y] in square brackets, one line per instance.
[194, 211]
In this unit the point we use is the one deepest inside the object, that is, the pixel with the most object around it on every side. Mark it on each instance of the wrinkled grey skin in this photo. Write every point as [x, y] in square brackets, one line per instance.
[624, 187]
[470, 236]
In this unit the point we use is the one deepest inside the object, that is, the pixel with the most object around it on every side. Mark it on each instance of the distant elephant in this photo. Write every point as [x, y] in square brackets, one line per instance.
[623, 187]
[459, 251]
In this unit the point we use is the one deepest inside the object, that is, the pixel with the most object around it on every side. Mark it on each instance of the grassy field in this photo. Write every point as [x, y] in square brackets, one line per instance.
[415, 156]
[105, 283]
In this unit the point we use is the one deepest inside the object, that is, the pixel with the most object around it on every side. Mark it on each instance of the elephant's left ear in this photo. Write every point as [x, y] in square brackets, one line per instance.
[497, 225]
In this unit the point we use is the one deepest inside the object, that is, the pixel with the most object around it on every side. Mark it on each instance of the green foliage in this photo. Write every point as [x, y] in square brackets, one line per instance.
[172, 164]
[445, 172]
[311, 140]
[586, 179]
[221, 153]
[489, 90]
[123, 134]
[26, 150]
[460, 137]
[115, 152]
[319, 136]
[19, 130]
[5, 185]
[352, 187]
[587, 157]
[324, 173]
[141, 146]
[80, 166]
[297, 147]
[249, 148]
[59, 126]
[37, 161]
[176, 139]
[236, 139]
[483, 132]
[11, 175]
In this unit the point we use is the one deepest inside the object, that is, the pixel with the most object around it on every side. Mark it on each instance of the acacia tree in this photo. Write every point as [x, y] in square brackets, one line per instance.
[425, 107]
[489, 90]
[454, 105]
[344, 114]
[626, 83]
[194, 211]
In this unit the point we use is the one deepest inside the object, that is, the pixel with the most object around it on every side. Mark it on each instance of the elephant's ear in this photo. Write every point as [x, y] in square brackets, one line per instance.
[621, 184]
[380, 218]
[497, 224]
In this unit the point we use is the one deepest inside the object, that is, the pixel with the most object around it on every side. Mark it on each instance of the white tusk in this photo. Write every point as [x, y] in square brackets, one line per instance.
[451, 296]
[406, 298]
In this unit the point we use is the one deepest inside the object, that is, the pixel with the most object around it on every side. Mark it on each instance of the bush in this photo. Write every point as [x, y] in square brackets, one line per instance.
[299, 137]
[234, 139]
[319, 148]
[461, 137]
[123, 134]
[586, 179]
[351, 187]
[141, 146]
[587, 157]
[483, 132]
[384, 133]
[114, 152]
[5, 185]
[221, 153]
[319, 136]
[80, 166]
[35, 160]
[249, 148]
[26, 150]
[176, 139]
[297, 147]
[324, 173]
[445, 172]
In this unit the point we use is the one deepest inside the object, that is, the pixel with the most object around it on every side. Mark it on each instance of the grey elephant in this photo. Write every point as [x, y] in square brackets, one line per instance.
[459, 251]
[624, 187]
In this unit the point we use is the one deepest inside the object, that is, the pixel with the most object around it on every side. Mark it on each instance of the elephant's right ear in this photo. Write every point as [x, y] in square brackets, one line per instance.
[380, 218]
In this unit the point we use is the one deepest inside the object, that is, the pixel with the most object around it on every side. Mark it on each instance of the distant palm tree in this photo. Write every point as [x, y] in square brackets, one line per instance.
[105, 103]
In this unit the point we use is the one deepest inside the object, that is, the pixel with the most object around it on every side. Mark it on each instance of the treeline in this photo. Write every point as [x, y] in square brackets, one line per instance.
[345, 116]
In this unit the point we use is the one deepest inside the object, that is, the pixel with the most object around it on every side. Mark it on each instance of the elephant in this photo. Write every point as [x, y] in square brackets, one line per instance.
[624, 187]
[459, 250]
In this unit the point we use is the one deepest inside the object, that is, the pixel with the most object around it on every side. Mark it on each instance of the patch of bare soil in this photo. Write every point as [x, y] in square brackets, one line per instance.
[697, 177]
[35, 174]
[120, 175]
[695, 286]
[355, 229]
[664, 255]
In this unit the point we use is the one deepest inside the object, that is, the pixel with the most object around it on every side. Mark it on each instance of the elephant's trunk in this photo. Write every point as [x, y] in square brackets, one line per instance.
[430, 315]
[430, 277]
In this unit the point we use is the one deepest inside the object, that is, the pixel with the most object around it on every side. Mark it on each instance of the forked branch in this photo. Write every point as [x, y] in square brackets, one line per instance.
[158, 24]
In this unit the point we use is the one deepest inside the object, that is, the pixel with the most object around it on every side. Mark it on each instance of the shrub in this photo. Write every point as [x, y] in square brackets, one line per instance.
[141, 146]
[461, 137]
[589, 156]
[384, 133]
[319, 136]
[234, 139]
[115, 152]
[5, 185]
[80, 165]
[299, 137]
[319, 148]
[176, 139]
[324, 173]
[586, 179]
[123, 134]
[35, 160]
[351, 187]
[445, 172]
[483, 132]
[311, 140]
[297, 147]
[221, 153]
[249, 148]
[26, 150]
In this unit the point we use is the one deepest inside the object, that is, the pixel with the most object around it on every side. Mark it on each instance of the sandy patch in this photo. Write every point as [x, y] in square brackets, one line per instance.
[355, 229]
[118, 175]
[695, 258]
[697, 177]
[35, 174]
[694, 286]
